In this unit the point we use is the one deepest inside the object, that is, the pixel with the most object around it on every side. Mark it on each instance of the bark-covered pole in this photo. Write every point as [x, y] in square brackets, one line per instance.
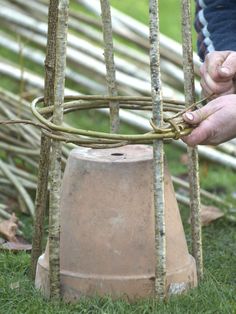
[44, 159]
[195, 204]
[55, 170]
[158, 153]
[110, 65]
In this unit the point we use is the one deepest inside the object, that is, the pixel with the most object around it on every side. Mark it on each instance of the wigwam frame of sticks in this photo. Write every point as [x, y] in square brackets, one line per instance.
[166, 123]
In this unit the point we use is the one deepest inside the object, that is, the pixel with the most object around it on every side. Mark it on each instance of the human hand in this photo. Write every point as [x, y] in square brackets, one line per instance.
[215, 122]
[218, 73]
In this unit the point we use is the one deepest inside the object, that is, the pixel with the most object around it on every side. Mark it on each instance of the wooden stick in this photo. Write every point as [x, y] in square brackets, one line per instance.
[60, 24]
[53, 94]
[44, 160]
[195, 203]
[110, 65]
[158, 154]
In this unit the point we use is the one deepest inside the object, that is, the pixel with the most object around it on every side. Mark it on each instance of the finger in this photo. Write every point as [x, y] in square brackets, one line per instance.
[217, 68]
[200, 135]
[212, 87]
[205, 88]
[194, 139]
[194, 117]
[199, 115]
[230, 65]
[225, 73]
[206, 82]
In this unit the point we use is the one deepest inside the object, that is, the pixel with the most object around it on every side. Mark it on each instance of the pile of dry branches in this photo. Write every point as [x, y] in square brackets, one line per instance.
[19, 149]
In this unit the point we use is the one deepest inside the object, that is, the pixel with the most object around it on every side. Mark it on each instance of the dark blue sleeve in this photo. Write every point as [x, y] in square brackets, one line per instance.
[215, 24]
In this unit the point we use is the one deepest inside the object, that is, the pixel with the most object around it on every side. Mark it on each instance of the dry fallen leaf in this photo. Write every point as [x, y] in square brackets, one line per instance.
[16, 246]
[12, 242]
[8, 228]
[209, 214]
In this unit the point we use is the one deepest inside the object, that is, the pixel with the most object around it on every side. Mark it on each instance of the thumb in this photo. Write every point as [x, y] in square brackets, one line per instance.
[197, 116]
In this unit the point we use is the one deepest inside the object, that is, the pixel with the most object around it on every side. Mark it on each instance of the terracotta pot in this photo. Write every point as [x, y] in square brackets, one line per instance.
[107, 228]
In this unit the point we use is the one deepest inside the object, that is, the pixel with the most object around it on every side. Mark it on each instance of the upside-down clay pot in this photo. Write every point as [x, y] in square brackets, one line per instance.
[107, 244]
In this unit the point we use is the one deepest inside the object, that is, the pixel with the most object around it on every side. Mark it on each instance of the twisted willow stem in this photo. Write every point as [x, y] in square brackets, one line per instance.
[174, 129]
[126, 104]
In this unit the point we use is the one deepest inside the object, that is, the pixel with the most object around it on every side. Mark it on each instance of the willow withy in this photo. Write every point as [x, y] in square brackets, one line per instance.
[174, 126]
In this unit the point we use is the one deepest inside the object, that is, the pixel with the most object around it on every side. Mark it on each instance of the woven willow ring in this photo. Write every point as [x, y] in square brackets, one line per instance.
[174, 126]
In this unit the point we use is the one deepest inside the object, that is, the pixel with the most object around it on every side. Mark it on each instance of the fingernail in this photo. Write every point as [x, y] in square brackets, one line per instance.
[189, 116]
[225, 70]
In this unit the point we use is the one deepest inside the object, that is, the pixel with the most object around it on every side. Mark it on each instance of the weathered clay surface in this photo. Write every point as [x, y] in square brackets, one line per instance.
[107, 228]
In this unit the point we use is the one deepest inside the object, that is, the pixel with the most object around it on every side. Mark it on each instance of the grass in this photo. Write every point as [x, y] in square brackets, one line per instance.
[215, 294]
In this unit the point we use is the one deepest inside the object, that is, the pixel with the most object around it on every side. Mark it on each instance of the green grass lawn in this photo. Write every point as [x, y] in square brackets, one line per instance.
[215, 294]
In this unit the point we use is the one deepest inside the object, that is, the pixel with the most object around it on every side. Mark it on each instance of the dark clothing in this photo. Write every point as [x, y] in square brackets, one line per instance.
[215, 24]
